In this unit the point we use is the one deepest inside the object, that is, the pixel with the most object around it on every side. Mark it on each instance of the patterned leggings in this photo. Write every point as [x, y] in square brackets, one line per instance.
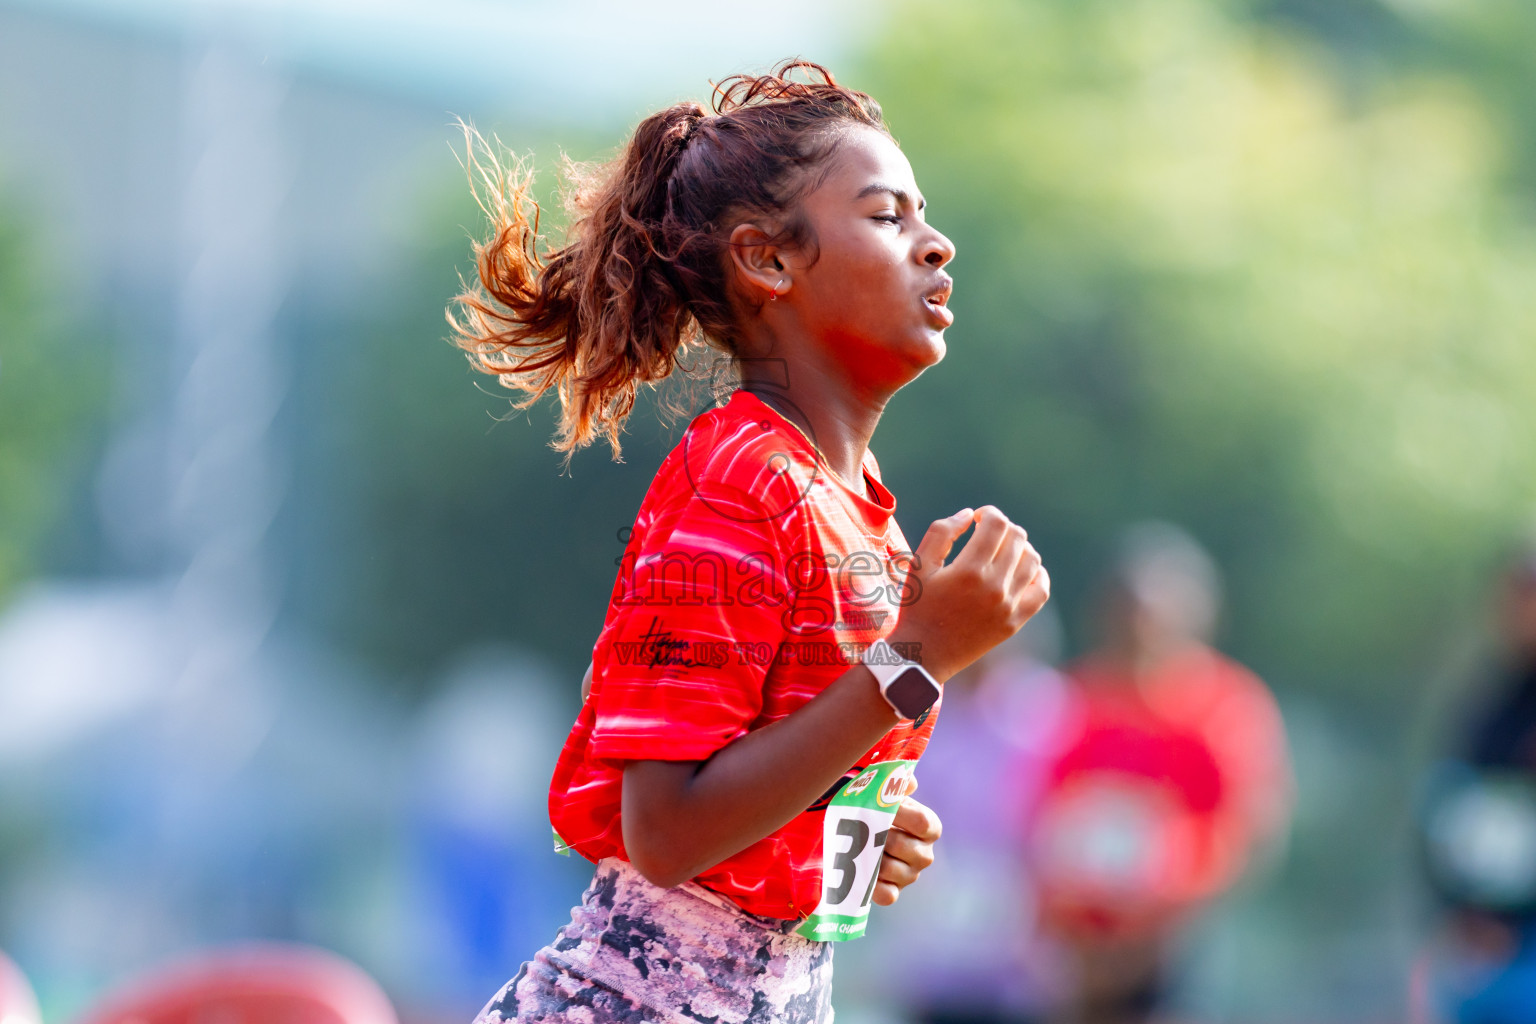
[638, 954]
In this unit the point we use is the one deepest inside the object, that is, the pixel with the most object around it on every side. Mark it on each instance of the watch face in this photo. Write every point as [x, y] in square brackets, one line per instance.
[912, 692]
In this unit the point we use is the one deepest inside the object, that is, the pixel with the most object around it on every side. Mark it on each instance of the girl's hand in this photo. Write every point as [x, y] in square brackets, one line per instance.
[960, 611]
[908, 849]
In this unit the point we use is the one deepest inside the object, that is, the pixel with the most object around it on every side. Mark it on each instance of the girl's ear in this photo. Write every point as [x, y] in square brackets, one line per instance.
[761, 273]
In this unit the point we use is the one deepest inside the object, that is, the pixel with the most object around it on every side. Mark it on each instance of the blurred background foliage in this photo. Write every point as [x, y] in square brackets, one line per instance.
[52, 384]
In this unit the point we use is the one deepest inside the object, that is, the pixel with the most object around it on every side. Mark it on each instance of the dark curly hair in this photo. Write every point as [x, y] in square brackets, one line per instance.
[643, 276]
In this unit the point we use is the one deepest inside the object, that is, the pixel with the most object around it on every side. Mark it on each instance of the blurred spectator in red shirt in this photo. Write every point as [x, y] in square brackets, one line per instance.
[1169, 771]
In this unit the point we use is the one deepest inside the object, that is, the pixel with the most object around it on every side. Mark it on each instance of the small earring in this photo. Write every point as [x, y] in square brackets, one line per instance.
[774, 294]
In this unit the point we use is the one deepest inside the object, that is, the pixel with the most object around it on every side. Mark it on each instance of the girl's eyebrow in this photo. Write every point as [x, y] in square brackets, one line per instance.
[900, 195]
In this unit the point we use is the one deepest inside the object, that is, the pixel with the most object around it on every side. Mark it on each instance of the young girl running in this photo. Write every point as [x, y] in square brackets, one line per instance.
[771, 662]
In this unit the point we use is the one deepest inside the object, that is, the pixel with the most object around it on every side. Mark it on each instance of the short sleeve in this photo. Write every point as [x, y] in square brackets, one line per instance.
[694, 624]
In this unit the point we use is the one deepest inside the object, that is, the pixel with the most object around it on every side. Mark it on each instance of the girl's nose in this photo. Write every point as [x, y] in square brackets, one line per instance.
[939, 250]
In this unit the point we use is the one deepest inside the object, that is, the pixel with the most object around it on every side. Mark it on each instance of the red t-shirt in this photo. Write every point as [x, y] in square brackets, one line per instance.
[753, 578]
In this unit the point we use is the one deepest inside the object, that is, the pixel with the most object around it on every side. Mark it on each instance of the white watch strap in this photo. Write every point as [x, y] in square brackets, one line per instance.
[883, 662]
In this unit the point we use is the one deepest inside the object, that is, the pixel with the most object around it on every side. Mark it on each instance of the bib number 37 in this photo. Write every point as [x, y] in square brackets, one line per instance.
[853, 838]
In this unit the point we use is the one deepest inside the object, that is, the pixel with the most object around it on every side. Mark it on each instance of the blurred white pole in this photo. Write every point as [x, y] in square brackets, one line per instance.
[225, 474]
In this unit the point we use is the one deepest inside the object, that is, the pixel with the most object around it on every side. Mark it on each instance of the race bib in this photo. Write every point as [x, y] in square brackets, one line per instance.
[858, 820]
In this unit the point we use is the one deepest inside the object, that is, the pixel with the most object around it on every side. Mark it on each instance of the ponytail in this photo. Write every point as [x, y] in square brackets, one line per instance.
[642, 278]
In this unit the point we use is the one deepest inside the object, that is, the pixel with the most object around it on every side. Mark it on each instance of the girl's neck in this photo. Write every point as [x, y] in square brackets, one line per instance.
[836, 421]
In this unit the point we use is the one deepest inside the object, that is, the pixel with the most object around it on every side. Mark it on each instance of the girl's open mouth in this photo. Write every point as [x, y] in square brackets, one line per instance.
[937, 303]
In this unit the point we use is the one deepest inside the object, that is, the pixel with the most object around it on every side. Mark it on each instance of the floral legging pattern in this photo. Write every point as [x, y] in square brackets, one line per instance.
[634, 953]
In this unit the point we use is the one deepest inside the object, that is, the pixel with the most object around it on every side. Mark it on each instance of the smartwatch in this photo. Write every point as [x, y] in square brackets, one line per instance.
[906, 686]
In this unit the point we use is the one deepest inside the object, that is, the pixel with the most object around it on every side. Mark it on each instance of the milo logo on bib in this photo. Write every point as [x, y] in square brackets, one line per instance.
[861, 783]
[852, 841]
[893, 789]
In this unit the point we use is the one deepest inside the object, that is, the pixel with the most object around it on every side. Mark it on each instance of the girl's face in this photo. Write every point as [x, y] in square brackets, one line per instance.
[871, 293]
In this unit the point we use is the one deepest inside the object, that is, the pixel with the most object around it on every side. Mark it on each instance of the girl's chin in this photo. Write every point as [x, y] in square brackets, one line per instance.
[934, 348]
[921, 356]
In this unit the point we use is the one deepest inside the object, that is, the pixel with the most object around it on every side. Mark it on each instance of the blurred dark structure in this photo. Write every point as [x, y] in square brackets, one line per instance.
[1479, 830]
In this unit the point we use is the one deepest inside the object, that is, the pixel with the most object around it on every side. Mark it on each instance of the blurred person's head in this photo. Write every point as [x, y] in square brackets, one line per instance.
[1163, 593]
[783, 228]
[1517, 605]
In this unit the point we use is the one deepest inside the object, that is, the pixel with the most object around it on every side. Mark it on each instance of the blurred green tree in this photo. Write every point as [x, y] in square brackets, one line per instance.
[1485, 43]
[50, 398]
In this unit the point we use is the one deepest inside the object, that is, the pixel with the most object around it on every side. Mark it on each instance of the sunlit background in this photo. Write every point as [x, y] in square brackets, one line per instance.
[292, 611]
